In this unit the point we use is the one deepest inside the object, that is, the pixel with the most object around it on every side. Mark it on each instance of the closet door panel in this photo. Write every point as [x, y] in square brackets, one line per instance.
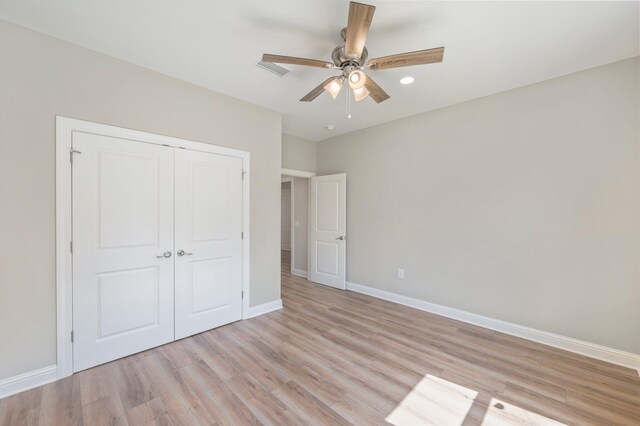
[122, 221]
[208, 241]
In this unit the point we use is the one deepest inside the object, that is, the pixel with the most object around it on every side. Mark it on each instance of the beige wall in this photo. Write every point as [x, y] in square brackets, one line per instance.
[522, 206]
[298, 153]
[300, 214]
[41, 77]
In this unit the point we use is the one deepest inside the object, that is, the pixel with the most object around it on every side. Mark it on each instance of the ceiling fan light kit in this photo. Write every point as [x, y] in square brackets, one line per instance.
[351, 59]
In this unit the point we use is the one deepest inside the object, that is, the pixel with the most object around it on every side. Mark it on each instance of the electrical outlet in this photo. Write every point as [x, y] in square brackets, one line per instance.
[400, 273]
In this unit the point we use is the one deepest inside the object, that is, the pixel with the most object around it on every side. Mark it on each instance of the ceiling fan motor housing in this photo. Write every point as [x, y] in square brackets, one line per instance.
[341, 59]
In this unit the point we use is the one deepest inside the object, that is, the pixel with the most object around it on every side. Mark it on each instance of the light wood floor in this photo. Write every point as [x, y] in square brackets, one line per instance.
[335, 357]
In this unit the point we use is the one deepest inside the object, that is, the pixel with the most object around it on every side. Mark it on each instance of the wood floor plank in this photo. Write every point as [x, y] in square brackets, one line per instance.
[216, 396]
[548, 407]
[22, 409]
[262, 403]
[204, 381]
[97, 383]
[341, 378]
[106, 411]
[604, 408]
[182, 405]
[268, 374]
[62, 402]
[219, 362]
[229, 410]
[337, 357]
[304, 374]
[133, 386]
[152, 412]
[307, 406]
[355, 411]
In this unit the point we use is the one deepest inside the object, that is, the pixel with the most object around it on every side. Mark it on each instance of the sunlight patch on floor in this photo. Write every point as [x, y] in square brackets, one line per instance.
[501, 413]
[433, 401]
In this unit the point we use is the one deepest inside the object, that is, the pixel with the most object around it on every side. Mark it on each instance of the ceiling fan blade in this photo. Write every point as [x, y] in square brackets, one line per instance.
[316, 91]
[279, 59]
[419, 57]
[360, 16]
[375, 92]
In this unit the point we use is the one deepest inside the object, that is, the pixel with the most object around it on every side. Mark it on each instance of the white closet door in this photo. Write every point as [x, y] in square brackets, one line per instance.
[327, 227]
[208, 238]
[122, 225]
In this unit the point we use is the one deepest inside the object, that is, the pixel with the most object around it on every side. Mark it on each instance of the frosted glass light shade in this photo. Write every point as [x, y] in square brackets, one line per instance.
[333, 87]
[357, 79]
[360, 93]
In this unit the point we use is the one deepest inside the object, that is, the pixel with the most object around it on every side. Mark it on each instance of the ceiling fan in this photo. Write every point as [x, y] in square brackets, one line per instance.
[351, 59]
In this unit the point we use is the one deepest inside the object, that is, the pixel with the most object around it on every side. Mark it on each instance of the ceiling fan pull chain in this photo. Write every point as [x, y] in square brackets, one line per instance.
[348, 93]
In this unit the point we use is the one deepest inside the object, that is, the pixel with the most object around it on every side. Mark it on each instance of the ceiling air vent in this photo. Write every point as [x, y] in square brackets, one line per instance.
[270, 66]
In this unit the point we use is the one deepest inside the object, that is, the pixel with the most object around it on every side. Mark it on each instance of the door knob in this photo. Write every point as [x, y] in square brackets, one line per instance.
[183, 253]
[340, 238]
[166, 254]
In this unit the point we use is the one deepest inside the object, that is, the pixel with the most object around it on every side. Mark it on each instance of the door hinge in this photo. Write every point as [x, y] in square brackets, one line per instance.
[242, 295]
[242, 235]
[243, 173]
[71, 246]
[71, 152]
[72, 336]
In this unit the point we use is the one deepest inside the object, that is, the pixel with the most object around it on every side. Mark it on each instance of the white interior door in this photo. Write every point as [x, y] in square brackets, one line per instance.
[208, 212]
[327, 228]
[122, 248]
[285, 222]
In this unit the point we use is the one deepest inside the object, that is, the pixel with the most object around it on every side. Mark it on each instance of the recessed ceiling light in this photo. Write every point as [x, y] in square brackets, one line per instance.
[407, 80]
[329, 127]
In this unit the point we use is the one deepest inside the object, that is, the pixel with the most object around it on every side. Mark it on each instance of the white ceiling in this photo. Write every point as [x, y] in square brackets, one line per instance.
[489, 47]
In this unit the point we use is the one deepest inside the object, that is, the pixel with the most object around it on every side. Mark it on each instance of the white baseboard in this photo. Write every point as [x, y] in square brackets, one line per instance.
[265, 308]
[614, 356]
[29, 380]
[299, 273]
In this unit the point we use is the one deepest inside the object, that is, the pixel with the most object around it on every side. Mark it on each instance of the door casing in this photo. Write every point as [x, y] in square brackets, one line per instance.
[65, 127]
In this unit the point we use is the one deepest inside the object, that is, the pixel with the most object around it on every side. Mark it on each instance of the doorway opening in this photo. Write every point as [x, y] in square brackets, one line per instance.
[313, 226]
[294, 224]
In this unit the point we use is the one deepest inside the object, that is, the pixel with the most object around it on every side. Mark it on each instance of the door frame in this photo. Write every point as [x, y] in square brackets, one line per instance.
[297, 173]
[65, 127]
